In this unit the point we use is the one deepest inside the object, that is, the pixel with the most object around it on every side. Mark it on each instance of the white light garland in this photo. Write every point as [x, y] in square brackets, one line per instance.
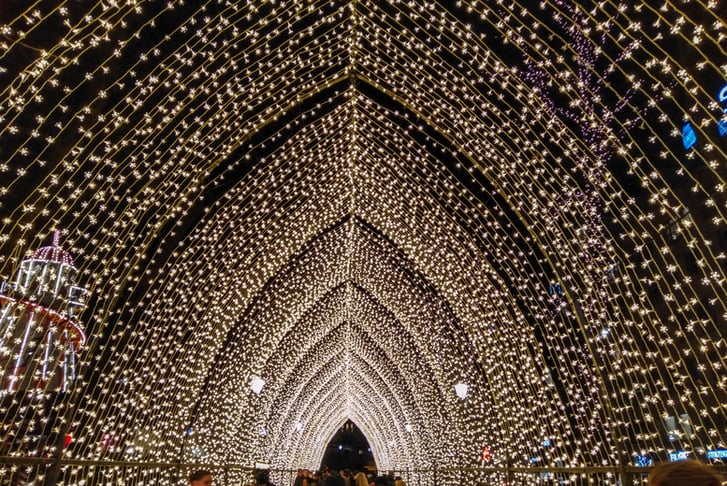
[367, 204]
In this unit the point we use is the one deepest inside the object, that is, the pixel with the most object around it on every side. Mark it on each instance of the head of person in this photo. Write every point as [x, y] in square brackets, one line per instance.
[201, 477]
[361, 479]
[684, 473]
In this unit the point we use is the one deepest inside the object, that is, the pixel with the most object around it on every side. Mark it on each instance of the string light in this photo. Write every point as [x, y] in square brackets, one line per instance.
[366, 203]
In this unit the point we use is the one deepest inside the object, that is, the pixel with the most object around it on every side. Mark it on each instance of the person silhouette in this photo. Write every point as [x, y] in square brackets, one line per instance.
[684, 473]
[201, 477]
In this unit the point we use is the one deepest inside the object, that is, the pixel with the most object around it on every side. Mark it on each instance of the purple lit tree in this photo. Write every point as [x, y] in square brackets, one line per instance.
[596, 123]
[599, 124]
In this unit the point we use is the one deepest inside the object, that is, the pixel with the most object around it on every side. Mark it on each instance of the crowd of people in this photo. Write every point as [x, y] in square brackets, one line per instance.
[344, 477]
[681, 473]
[305, 477]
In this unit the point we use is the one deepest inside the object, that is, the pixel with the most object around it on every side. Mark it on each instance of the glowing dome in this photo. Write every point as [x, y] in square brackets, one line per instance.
[53, 253]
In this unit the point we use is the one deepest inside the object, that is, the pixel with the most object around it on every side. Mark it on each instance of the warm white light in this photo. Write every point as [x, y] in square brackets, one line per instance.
[257, 384]
[241, 202]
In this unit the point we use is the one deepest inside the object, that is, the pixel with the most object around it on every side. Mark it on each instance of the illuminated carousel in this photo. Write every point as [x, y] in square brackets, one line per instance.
[40, 335]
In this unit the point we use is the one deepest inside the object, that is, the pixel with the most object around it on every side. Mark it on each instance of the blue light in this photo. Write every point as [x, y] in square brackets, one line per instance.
[689, 138]
[678, 456]
[722, 127]
[555, 289]
[546, 443]
[644, 460]
[722, 95]
[717, 454]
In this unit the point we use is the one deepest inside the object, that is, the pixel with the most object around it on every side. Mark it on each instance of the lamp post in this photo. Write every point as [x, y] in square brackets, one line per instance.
[461, 389]
[257, 384]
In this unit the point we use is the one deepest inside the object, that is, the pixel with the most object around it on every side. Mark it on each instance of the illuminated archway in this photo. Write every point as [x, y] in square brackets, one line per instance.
[528, 199]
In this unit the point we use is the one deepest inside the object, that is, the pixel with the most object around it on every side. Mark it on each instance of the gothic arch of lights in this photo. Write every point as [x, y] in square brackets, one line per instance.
[364, 203]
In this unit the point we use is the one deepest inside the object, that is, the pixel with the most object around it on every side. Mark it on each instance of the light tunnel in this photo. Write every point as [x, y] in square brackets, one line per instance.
[362, 204]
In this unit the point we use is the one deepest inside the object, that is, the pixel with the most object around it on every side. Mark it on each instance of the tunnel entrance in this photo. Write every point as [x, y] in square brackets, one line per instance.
[348, 449]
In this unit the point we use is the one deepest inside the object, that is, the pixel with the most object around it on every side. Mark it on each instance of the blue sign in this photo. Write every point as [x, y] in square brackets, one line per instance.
[722, 96]
[722, 124]
[722, 127]
[717, 454]
[689, 138]
[678, 456]
[644, 460]
[555, 289]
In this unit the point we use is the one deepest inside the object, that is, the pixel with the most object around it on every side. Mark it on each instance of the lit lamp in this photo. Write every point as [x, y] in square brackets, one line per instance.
[461, 390]
[257, 384]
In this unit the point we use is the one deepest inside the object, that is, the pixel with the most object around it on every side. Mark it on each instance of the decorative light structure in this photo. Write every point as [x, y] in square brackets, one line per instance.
[360, 199]
[40, 335]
